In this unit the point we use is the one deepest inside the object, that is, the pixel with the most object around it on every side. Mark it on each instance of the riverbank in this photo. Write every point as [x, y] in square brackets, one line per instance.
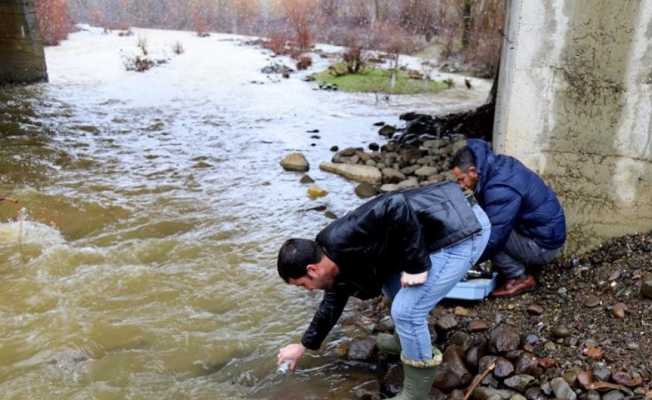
[585, 332]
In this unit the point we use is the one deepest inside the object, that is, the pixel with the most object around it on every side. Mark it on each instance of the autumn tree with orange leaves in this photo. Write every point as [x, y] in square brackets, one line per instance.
[54, 20]
[300, 15]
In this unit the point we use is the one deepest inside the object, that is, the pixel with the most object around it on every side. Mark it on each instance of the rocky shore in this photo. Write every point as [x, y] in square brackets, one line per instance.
[584, 333]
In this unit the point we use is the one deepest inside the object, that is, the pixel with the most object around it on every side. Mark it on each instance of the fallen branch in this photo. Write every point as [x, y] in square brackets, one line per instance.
[9, 199]
[478, 379]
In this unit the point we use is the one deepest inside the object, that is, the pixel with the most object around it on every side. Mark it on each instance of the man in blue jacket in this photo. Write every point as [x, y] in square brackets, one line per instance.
[528, 227]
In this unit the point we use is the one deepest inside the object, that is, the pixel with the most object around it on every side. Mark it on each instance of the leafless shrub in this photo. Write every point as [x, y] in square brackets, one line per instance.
[304, 62]
[177, 48]
[142, 45]
[354, 56]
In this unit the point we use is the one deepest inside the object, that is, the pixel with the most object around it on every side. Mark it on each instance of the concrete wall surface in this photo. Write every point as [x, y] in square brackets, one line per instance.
[21, 49]
[575, 105]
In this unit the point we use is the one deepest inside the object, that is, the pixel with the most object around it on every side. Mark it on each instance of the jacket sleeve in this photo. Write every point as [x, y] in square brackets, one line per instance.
[329, 311]
[408, 236]
[502, 205]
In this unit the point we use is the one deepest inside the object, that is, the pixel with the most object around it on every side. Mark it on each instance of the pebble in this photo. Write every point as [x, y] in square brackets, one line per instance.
[534, 393]
[562, 389]
[561, 331]
[601, 372]
[626, 379]
[504, 368]
[446, 322]
[307, 179]
[462, 312]
[519, 382]
[315, 192]
[478, 326]
[592, 395]
[591, 301]
[535, 309]
[330, 215]
[334, 148]
[646, 287]
[613, 395]
[619, 310]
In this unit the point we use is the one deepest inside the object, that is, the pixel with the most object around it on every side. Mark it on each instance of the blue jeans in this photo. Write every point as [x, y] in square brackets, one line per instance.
[411, 305]
[521, 252]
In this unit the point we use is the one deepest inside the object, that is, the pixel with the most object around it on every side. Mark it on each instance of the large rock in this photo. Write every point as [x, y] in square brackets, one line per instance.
[452, 373]
[295, 162]
[358, 173]
[365, 190]
[362, 350]
[504, 338]
[562, 389]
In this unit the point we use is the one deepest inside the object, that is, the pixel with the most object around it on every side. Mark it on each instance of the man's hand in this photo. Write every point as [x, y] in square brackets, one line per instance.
[290, 353]
[413, 279]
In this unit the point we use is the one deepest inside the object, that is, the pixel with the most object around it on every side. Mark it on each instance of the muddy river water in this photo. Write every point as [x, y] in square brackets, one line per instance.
[139, 261]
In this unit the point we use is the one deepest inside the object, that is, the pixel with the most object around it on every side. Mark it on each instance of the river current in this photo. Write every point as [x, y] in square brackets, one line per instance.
[139, 261]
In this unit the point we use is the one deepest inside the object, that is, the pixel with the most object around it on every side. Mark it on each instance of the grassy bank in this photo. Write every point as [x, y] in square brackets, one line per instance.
[379, 81]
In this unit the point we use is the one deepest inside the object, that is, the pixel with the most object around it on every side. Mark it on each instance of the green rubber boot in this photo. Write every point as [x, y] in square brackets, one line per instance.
[418, 377]
[388, 344]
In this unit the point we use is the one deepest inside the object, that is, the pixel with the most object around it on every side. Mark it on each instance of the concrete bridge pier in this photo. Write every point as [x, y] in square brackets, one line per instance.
[21, 49]
[575, 104]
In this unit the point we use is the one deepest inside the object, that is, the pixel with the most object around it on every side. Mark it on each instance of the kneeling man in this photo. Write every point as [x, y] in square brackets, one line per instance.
[528, 227]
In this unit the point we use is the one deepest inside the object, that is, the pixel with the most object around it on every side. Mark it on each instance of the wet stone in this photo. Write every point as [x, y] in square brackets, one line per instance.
[334, 148]
[561, 331]
[504, 338]
[490, 380]
[504, 368]
[517, 397]
[485, 393]
[619, 310]
[386, 324]
[562, 389]
[461, 339]
[646, 287]
[295, 162]
[365, 190]
[362, 350]
[456, 395]
[627, 379]
[307, 179]
[613, 395]
[591, 301]
[388, 131]
[373, 146]
[473, 356]
[535, 309]
[367, 391]
[519, 382]
[534, 393]
[485, 362]
[393, 380]
[592, 395]
[446, 322]
[478, 326]
[601, 372]
[532, 340]
[528, 364]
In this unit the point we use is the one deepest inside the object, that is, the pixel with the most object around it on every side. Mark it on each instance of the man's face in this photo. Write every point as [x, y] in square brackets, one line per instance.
[318, 277]
[468, 179]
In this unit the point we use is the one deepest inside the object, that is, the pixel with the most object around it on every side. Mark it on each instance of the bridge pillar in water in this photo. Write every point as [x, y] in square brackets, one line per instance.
[575, 105]
[21, 48]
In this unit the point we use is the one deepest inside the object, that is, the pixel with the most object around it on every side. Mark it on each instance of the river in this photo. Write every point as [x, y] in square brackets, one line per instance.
[139, 262]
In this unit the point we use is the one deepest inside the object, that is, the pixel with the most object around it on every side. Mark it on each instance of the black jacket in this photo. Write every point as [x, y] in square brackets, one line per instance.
[392, 233]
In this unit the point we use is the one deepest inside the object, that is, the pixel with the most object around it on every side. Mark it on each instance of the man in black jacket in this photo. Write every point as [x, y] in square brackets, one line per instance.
[413, 245]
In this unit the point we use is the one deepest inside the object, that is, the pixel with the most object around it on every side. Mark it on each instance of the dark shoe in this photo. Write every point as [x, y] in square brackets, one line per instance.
[515, 286]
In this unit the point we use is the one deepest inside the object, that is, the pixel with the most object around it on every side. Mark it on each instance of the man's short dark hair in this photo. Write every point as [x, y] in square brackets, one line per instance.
[463, 159]
[295, 255]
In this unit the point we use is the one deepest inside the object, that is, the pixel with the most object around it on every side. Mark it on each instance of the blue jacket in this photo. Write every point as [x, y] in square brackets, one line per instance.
[515, 198]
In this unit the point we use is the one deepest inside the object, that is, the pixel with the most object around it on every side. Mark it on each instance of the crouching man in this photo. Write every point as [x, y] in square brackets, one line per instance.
[412, 245]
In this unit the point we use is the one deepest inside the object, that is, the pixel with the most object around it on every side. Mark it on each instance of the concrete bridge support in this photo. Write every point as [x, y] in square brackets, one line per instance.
[575, 104]
[21, 49]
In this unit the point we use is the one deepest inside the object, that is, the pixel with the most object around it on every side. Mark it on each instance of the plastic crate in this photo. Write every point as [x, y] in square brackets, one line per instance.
[473, 289]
